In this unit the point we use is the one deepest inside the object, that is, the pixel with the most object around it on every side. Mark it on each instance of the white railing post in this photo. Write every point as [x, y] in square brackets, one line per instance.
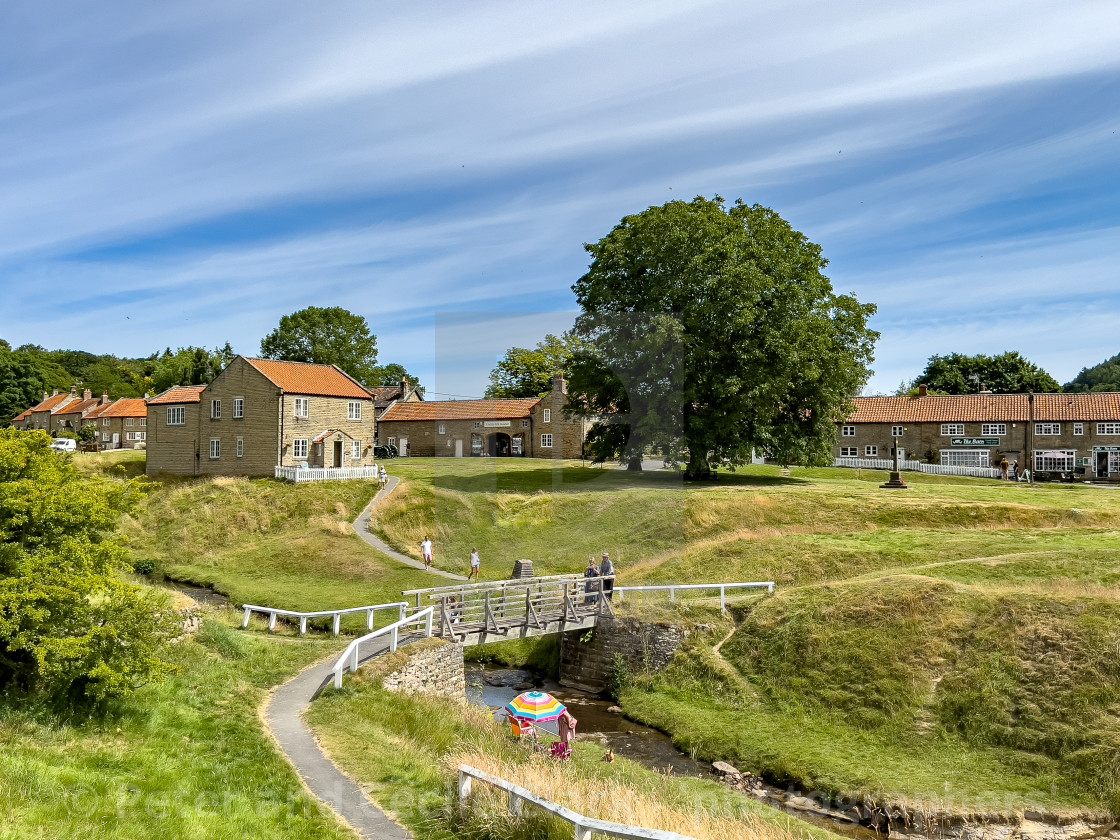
[581, 833]
[514, 803]
[302, 625]
[245, 623]
[464, 786]
[354, 659]
[723, 599]
[770, 589]
[393, 641]
[337, 623]
[369, 619]
[403, 610]
[271, 622]
[428, 623]
[672, 593]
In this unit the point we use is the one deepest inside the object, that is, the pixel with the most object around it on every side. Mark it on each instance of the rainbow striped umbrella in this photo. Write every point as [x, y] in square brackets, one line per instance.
[535, 706]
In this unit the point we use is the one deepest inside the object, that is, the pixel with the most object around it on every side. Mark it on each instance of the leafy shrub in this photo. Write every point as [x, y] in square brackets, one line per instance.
[144, 566]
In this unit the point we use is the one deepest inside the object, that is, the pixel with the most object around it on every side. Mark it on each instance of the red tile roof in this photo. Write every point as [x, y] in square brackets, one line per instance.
[128, 407]
[1003, 408]
[52, 404]
[460, 410]
[178, 394]
[23, 416]
[96, 411]
[310, 379]
[77, 407]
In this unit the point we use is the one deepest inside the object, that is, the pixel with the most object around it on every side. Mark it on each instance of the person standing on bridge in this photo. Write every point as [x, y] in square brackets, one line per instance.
[476, 565]
[426, 550]
[591, 588]
[606, 569]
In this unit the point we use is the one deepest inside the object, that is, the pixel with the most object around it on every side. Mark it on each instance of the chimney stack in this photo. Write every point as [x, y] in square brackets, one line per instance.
[54, 392]
[104, 399]
[923, 391]
[87, 394]
[73, 390]
[46, 396]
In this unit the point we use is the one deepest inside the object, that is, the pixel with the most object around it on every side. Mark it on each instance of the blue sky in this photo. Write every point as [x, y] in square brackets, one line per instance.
[176, 174]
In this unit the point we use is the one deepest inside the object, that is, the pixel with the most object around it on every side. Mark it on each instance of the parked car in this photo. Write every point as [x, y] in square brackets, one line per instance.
[64, 445]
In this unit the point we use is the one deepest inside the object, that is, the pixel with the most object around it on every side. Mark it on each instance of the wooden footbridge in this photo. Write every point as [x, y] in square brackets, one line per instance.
[492, 611]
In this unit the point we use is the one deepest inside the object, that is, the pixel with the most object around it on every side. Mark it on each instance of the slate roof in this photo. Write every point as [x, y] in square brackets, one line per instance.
[986, 408]
[385, 394]
[460, 410]
[310, 379]
[127, 407]
[178, 394]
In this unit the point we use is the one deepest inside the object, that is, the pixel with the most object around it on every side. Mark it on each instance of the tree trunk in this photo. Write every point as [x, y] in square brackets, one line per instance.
[698, 468]
[634, 464]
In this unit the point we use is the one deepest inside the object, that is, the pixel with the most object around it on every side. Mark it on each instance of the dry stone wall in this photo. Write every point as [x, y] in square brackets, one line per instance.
[435, 669]
[586, 665]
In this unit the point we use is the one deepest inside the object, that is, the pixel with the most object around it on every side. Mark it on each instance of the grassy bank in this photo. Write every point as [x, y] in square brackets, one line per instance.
[404, 751]
[186, 758]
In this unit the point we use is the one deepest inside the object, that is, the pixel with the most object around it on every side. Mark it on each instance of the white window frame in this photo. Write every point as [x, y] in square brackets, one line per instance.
[301, 407]
[355, 449]
[1047, 428]
[993, 429]
[524, 424]
[241, 447]
[176, 415]
[1049, 464]
[966, 458]
[1079, 428]
[143, 421]
[871, 451]
[105, 436]
[105, 421]
[897, 431]
[1108, 428]
[238, 408]
[215, 409]
[849, 451]
[354, 410]
[442, 428]
[950, 430]
[847, 431]
[215, 449]
[391, 441]
[128, 421]
[546, 441]
[299, 448]
[548, 415]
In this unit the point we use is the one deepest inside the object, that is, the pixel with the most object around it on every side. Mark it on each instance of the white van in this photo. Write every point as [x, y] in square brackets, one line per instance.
[64, 445]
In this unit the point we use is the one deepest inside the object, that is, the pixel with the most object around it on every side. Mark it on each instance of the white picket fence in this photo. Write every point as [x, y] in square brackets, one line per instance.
[299, 474]
[916, 466]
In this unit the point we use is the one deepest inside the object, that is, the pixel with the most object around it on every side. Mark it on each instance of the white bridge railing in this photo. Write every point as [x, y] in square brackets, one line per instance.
[584, 826]
[298, 474]
[273, 613]
[674, 588]
[916, 466]
[352, 657]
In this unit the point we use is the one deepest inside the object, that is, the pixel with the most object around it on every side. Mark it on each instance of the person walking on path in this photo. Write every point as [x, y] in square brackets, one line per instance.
[606, 569]
[382, 477]
[476, 565]
[426, 550]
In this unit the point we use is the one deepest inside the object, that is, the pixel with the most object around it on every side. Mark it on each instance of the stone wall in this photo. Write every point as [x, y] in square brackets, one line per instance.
[587, 665]
[433, 669]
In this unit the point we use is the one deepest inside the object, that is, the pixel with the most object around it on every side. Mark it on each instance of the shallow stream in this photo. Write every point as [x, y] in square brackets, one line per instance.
[640, 743]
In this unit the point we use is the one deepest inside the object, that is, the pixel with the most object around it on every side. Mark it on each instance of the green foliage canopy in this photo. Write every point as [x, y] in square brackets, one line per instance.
[325, 336]
[1102, 377]
[392, 374]
[1007, 373]
[769, 355]
[69, 629]
[524, 373]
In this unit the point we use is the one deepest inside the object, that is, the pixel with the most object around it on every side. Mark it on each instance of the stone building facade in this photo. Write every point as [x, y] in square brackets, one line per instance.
[260, 413]
[521, 428]
[1047, 433]
[122, 424]
[42, 414]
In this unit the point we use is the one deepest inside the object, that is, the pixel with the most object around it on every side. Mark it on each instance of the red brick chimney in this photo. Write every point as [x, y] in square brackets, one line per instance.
[923, 391]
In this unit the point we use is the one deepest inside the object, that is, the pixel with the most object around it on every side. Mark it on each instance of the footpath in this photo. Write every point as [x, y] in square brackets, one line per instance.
[361, 526]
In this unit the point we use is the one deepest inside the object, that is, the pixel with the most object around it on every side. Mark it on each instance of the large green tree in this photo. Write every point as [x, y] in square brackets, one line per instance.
[526, 372]
[392, 374]
[769, 355]
[326, 336]
[1007, 373]
[70, 630]
[1102, 377]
